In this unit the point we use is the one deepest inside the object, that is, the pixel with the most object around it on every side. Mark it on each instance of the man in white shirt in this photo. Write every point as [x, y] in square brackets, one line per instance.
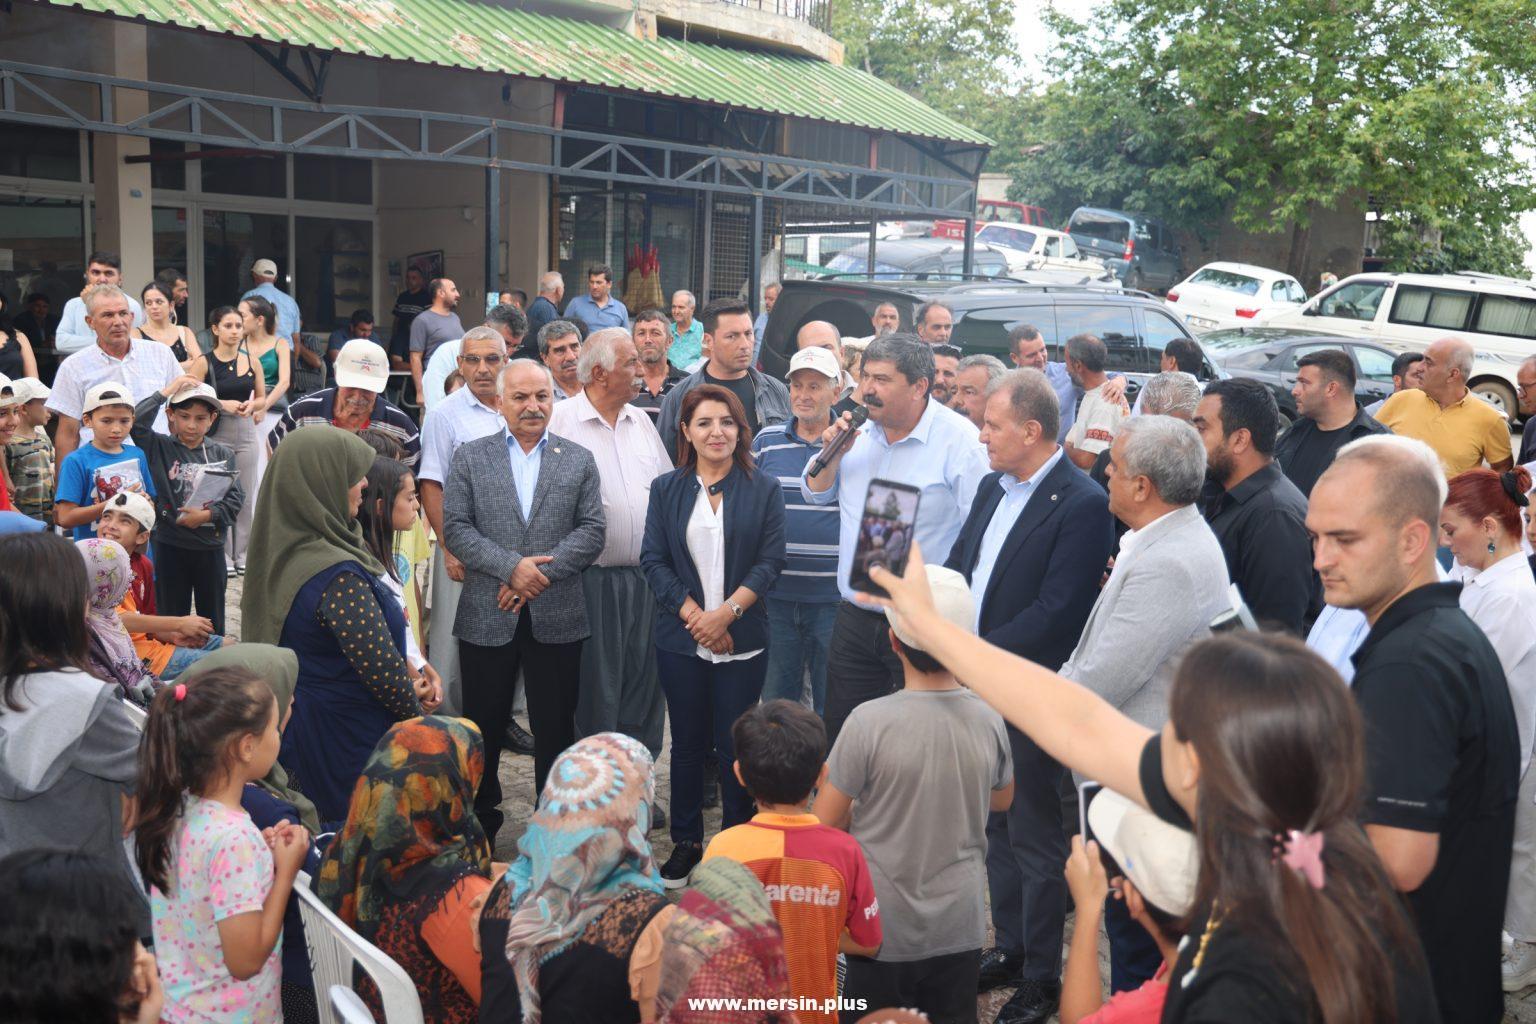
[620, 690]
[1098, 417]
[908, 439]
[73, 333]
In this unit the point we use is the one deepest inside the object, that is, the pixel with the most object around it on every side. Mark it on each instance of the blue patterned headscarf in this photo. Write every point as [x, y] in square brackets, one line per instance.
[585, 847]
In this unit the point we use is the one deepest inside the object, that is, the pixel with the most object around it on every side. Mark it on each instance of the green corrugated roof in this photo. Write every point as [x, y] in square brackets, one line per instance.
[489, 37]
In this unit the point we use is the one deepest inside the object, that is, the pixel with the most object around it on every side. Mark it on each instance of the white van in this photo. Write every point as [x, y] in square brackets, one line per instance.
[1409, 311]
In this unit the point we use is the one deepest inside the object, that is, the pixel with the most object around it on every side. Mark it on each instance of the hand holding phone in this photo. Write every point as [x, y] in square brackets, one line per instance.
[886, 530]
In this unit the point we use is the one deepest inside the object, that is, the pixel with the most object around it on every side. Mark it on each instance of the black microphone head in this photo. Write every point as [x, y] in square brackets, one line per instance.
[858, 414]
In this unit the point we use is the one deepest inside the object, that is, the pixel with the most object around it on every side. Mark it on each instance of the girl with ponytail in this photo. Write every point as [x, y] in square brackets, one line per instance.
[218, 886]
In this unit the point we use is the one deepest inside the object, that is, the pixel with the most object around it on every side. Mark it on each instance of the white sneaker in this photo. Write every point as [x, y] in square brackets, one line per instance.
[1519, 966]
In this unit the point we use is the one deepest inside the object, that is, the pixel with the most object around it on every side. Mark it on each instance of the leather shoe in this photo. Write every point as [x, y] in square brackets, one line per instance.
[999, 968]
[519, 740]
[1033, 1003]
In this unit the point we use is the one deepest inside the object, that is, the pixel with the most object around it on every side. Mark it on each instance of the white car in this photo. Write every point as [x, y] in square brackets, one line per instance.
[1409, 311]
[1035, 248]
[1224, 295]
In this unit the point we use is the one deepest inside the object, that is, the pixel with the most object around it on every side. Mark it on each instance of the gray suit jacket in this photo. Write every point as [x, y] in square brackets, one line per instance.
[483, 526]
[1161, 598]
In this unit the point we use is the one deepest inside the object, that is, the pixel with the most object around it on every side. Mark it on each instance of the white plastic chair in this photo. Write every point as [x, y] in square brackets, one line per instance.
[349, 1006]
[334, 949]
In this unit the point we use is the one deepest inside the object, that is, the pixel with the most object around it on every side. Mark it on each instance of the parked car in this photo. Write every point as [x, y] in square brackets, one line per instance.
[1409, 311]
[1270, 354]
[1033, 248]
[920, 258]
[988, 210]
[1227, 294]
[1134, 327]
[1140, 251]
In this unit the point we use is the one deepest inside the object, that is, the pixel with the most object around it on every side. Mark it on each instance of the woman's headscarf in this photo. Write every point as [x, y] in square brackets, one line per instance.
[279, 667]
[585, 847]
[411, 828]
[722, 941]
[111, 653]
[302, 525]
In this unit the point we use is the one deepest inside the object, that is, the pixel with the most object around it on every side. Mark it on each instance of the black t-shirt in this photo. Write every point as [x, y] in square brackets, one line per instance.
[1239, 978]
[1443, 756]
[1304, 451]
[742, 388]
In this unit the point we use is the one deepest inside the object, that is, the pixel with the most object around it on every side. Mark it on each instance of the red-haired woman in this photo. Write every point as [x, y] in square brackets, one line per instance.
[714, 544]
[1482, 525]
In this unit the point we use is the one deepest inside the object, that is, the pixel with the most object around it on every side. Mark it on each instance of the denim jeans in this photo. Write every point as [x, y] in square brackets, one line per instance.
[799, 635]
[186, 657]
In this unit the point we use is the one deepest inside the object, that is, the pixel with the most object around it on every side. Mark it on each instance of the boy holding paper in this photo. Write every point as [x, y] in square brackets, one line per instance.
[197, 497]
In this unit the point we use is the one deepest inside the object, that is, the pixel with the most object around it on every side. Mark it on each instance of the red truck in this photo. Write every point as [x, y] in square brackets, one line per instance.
[992, 210]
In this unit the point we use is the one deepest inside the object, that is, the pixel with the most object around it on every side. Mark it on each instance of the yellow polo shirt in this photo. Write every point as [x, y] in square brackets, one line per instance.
[1464, 435]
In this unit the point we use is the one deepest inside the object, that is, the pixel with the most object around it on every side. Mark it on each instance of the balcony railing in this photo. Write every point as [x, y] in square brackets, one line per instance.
[816, 13]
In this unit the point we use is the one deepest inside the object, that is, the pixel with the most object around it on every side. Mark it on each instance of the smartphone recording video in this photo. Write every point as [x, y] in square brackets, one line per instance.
[885, 533]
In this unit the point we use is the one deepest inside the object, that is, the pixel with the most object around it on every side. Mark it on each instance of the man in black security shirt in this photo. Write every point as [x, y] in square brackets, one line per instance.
[1329, 417]
[408, 305]
[1443, 754]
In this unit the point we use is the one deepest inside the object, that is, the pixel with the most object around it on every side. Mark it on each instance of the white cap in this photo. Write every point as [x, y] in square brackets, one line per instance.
[951, 598]
[264, 268]
[108, 392]
[362, 364]
[10, 393]
[199, 392]
[1161, 860]
[30, 389]
[819, 359]
[133, 504]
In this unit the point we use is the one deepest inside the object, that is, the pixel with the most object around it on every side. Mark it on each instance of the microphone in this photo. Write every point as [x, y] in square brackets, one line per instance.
[838, 443]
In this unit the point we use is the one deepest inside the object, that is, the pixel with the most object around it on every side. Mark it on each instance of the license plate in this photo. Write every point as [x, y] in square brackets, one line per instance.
[1199, 321]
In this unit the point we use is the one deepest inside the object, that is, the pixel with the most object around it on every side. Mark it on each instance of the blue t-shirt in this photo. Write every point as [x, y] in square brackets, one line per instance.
[810, 531]
[90, 475]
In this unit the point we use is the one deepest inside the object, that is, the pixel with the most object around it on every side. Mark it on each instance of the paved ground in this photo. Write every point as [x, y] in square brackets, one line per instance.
[517, 788]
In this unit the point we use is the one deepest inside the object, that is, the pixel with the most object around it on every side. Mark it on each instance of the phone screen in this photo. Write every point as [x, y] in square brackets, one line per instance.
[1086, 791]
[885, 533]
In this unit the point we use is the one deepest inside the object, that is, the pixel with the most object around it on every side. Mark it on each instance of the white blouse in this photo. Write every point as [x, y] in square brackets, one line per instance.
[1502, 601]
[706, 545]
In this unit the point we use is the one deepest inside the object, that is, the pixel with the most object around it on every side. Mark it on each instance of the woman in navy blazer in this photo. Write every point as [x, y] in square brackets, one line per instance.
[714, 544]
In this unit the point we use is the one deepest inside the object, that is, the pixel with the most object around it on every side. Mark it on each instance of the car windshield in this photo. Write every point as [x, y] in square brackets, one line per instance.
[1013, 238]
[1251, 359]
[1094, 225]
[1226, 280]
[1232, 341]
[856, 262]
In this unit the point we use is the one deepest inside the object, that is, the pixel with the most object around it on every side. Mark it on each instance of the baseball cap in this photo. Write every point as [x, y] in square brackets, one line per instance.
[136, 505]
[264, 268]
[819, 359]
[10, 394]
[199, 392]
[1161, 860]
[108, 392]
[951, 598]
[362, 364]
[30, 389]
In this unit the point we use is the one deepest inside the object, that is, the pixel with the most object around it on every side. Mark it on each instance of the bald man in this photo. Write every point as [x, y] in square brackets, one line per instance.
[1464, 430]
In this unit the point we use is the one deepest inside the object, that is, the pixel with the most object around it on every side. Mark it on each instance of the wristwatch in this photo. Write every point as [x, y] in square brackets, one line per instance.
[736, 609]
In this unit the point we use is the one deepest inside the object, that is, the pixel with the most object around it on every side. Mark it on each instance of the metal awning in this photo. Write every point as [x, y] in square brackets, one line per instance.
[486, 36]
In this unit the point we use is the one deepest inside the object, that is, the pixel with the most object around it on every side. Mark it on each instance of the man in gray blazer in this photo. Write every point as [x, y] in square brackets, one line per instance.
[523, 511]
[1168, 583]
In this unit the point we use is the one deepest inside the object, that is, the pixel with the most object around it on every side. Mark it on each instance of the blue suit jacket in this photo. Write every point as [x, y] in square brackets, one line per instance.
[754, 552]
[1048, 570]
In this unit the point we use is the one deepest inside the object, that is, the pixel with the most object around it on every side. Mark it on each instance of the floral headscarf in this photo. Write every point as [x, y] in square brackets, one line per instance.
[112, 657]
[411, 827]
[722, 942]
[585, 847]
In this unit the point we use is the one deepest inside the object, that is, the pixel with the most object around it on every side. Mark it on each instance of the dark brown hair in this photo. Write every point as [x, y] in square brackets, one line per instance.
[43, 593]
[686, 456]
[1281, 746]
[186, 747]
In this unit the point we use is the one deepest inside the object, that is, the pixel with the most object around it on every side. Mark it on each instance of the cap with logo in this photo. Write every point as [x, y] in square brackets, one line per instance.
[951, 599]
[362, 364]
[1161, 860]
[134, 505]
[199, 392]
[30, 389]
[819, 359]
[264, 268]
[10, 394]
[108, 392]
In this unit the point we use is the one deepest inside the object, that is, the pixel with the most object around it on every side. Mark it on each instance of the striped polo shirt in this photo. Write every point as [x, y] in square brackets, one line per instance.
[810, 531]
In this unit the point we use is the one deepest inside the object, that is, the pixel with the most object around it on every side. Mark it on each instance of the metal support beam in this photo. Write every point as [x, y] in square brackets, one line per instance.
[492, 233]
[317, 67]
[755, 257]
[968, 259]
[874, 228]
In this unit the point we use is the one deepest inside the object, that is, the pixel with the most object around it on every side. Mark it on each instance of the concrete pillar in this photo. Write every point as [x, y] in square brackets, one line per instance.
[122, 219]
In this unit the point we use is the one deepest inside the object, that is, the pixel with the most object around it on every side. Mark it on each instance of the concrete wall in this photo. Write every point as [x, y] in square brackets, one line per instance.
[1337, 244]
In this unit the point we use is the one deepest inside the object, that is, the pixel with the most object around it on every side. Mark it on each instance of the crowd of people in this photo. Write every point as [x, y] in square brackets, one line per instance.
[1287, 674]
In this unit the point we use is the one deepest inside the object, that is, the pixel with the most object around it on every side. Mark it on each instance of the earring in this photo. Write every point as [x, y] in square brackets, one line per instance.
[1490, 547]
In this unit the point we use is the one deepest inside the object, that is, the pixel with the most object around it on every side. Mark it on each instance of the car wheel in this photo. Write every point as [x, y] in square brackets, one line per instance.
[1497, 394]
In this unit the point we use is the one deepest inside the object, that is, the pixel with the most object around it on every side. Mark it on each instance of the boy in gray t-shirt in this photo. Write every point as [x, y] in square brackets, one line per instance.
[917, 774]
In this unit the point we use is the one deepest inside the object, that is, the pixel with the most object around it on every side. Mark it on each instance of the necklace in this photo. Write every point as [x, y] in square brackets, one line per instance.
[1212, 923]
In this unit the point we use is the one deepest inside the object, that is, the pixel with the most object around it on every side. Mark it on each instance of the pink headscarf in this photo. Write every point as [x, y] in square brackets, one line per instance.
[112, 657]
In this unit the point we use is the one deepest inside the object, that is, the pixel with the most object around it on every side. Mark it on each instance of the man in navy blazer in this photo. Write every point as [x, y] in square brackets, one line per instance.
[1034, 548]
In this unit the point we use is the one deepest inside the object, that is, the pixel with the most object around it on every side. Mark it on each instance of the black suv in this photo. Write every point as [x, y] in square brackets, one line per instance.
[1135, 326]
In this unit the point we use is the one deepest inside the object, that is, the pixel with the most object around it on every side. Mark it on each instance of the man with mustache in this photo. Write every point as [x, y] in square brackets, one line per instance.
[560, 348]
[523, 509]
[356, 403]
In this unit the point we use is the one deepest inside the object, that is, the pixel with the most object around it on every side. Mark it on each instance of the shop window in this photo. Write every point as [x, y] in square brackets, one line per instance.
[31, 152]
[332, 179]
[255, 175]
[170, 171]
[335, 271]
[232, 243]
[42, 250]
